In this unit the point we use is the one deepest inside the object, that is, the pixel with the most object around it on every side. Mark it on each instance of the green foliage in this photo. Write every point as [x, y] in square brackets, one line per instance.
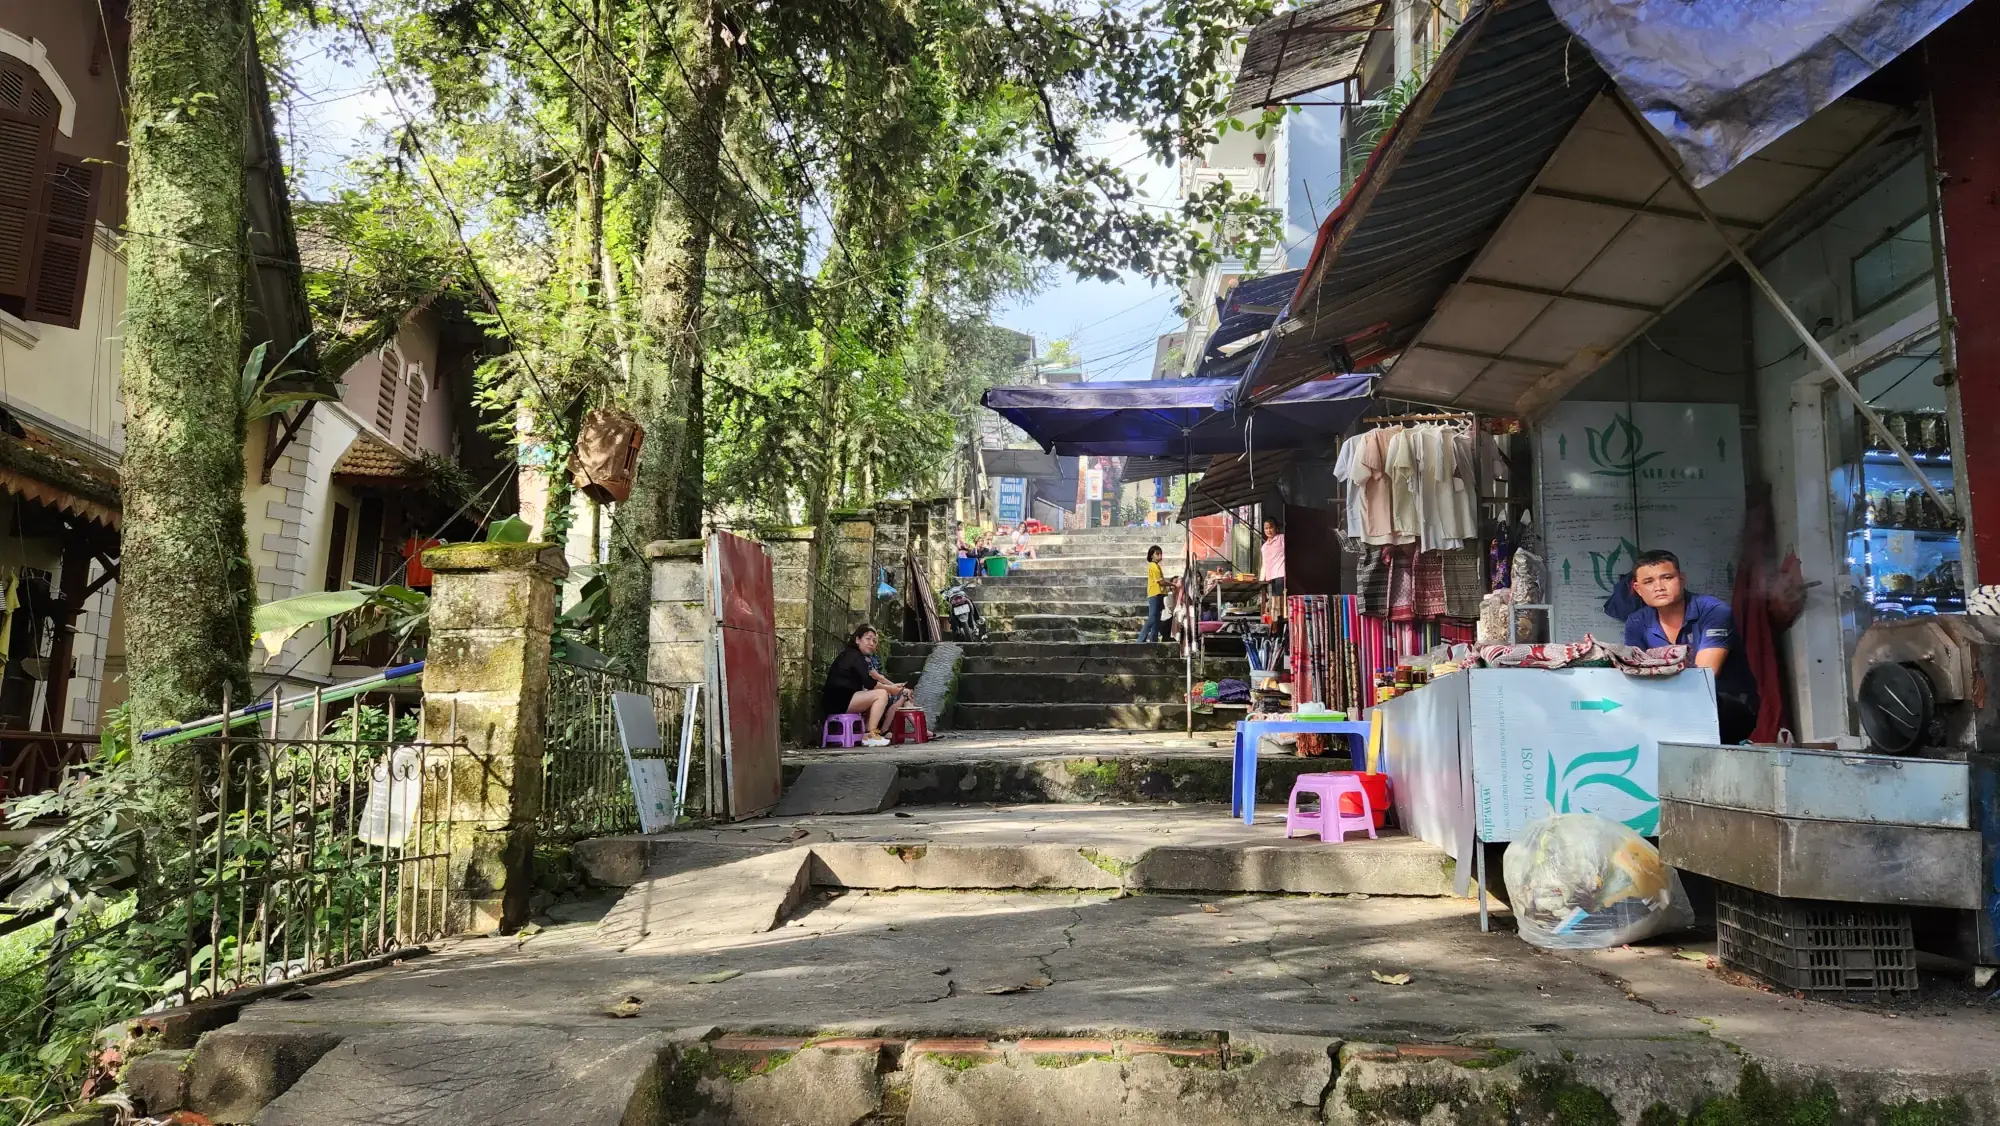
[1374, 120]
[142, 912]
[510, 529]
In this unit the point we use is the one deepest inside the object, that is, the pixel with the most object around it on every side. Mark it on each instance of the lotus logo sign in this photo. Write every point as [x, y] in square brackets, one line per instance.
[1600, 782]
[1618, 450]
[1607, 566]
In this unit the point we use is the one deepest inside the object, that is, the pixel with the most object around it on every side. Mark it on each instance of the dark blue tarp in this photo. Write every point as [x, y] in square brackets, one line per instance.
[1721, 79]
[1249, 308]
[1178, 417]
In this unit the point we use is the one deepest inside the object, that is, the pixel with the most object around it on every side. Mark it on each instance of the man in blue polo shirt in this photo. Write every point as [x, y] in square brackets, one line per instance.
[1703, 623]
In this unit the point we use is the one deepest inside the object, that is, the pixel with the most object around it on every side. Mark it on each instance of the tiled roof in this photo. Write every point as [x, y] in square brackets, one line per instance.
[64, 474]
[372, 459]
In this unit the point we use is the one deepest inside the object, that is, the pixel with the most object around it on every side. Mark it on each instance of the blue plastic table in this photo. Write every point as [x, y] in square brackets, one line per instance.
[1243, 780]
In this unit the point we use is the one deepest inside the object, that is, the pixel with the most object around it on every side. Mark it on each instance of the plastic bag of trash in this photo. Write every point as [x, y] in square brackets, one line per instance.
[1577, 881]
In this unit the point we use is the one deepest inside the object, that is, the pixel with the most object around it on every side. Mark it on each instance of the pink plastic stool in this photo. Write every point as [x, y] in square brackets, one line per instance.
[1329, 788]
[846, 729]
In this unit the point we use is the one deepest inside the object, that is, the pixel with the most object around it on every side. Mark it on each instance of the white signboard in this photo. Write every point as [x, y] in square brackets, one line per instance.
[1579, 741]
[653, 789]
[1093, 483]
[1621, 478]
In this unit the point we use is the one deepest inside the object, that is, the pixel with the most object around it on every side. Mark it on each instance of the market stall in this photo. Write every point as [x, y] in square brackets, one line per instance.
[1180, 418]
[1479, 753]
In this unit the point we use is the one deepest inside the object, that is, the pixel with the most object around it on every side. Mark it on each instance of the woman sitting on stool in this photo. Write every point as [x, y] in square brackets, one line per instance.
[853, 685]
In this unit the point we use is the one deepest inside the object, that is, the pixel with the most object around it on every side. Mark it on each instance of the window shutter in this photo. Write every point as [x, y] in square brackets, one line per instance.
[23, 89]
[385, 393]
[413, 411]
[26, 145]
[62, 262]
[368, 542]
[336, 549]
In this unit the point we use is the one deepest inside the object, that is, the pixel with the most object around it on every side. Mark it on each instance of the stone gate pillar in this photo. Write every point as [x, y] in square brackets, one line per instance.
[486, 681]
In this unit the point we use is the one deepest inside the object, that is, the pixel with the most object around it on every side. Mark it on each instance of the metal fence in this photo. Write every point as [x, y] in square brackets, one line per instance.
[299, 853]
[832, 619]
[586, 785]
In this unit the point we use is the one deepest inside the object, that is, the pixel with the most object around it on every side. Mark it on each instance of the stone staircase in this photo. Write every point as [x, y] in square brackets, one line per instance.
[1061, 652]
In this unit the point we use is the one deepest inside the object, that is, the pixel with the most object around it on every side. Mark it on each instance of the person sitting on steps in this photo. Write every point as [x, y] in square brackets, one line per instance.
[853, 685]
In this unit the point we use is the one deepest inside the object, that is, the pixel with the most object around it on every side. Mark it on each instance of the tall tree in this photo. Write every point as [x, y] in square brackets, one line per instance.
[665, 391]
[185, 569]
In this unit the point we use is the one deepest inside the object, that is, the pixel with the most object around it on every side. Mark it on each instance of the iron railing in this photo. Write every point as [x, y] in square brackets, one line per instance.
[299, 853]
[33, 761]
[586, 784]
[832, 620]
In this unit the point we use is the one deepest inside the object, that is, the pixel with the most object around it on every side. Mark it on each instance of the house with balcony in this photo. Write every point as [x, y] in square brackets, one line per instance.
[336, 491]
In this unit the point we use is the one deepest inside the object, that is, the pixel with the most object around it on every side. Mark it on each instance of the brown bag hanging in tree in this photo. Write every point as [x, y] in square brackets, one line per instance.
[606, 455]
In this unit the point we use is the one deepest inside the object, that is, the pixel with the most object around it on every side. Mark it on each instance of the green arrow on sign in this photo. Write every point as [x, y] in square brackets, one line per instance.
[1565, 572]
[1562, 447]
[1595, 705]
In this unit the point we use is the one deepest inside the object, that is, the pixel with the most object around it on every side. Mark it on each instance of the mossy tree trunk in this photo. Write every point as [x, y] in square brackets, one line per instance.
[665, 391]
[184, 572]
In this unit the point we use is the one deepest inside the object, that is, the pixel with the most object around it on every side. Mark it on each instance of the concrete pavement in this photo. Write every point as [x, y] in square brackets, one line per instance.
[1010, 1007]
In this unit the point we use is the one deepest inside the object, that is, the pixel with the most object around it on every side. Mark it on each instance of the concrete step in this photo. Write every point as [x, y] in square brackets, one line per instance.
[999, 647]
[1166, 535]
[1099, 563]
[1186, 848]
[977, 686]
[1179, 778]
[1015, 610]
[1070, 634]
[1107, 622]
[1084, 717]
[1167, 663]
[1028, 587]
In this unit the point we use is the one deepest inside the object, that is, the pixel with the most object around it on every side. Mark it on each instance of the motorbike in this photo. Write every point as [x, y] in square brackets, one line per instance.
[966, 622]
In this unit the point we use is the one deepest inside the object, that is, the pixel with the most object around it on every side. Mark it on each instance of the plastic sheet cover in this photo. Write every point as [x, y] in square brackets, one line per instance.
[1720, 79]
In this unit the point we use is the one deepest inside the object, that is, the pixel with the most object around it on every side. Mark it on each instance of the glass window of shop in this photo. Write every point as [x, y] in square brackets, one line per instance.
[1900, 550]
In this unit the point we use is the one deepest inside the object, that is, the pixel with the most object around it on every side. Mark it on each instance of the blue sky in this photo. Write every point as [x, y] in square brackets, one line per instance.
[1113, 325]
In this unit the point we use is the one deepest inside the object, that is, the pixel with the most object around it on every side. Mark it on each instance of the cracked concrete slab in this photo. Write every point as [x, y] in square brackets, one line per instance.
[749, 895]
[1295, 974]
[1138, 847]
[496, 1076]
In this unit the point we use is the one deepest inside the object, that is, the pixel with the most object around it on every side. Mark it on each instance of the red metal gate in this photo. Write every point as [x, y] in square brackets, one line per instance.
[744, 693]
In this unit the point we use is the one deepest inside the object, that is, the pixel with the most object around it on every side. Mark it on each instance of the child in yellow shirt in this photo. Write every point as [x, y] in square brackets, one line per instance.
[1156, 594]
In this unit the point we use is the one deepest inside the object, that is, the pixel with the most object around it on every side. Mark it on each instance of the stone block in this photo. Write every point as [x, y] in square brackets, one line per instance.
[678, 580]
[486, 661]
[617, 862]
[460, 1074]
[810, 1087]
[677, 662]
[238, 1070]
[679, 621]
[503, 600]
[691, 549]
[790, 614]
[460, 558]
[158, 1081]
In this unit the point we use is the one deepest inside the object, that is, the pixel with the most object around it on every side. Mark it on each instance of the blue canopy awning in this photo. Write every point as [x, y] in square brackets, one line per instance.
[1185, 418]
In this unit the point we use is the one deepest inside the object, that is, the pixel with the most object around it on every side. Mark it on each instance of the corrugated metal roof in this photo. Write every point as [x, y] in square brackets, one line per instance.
[1501, 98]
[1309, 48]
[1249, 308]
[1237, 480]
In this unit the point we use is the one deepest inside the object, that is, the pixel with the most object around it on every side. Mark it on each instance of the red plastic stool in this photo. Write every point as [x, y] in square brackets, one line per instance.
[919, 727]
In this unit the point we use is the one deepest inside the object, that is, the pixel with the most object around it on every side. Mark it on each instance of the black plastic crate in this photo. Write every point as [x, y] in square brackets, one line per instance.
[1816, 947]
